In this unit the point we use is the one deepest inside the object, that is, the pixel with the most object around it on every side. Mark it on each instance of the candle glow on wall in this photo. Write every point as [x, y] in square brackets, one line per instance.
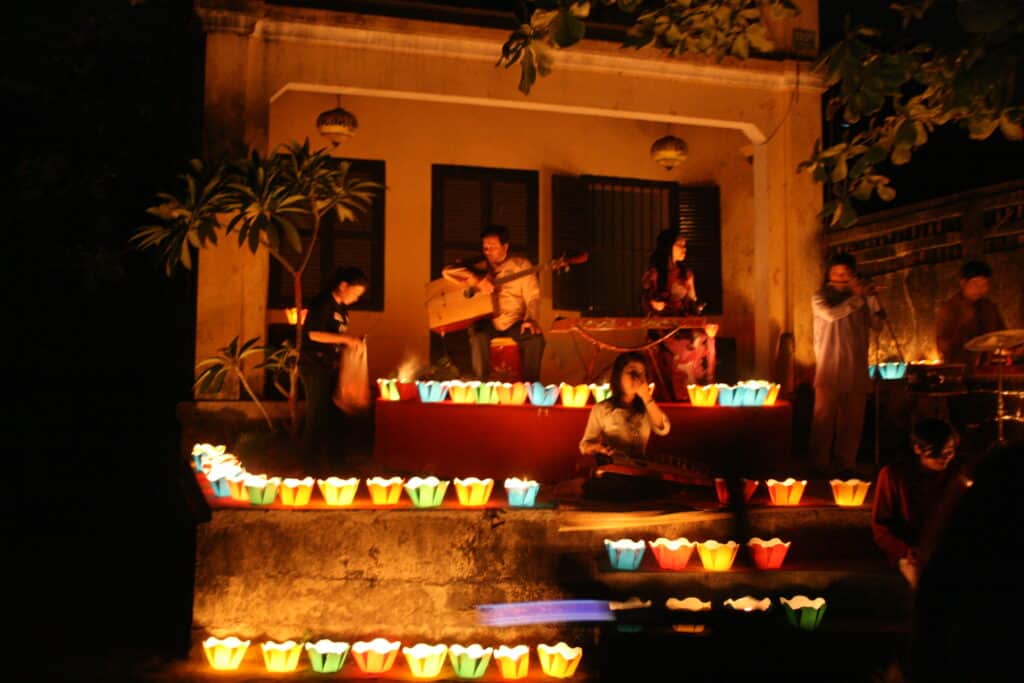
[385, 491]
[768, 554]
[425, 661]
[559, 661]
[327, 656]
[281, 657]
[426, 492]
[473, 492]
[513, 662]
[849, 493]
[717, 557]
[672, 553]
[522, 493]
[787, 492]
[225, 654]
[470, 662]
[512, 393]
[296, 492]
[625, 554]
[337, 491]
[574, 395]
[375, 656]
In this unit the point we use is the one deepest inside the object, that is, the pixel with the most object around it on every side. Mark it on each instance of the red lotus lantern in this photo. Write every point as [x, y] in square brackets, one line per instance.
[672, 553]
[722, 489]
[768, 554]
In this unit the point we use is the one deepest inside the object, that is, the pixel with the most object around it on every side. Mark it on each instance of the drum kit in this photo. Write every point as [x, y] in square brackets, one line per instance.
[1000, 344]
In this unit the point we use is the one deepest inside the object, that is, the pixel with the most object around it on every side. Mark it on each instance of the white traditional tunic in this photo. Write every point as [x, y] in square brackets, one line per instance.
[620, 428]
[841, 327]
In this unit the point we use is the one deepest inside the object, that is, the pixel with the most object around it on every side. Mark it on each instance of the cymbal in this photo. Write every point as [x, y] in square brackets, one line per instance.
[995, 341]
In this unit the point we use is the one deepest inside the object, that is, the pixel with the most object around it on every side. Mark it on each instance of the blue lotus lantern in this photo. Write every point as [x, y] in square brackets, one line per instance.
[542, 395]
[432, 391]
[625, 554]
[729, 395]
[890, 371]
[521, 493]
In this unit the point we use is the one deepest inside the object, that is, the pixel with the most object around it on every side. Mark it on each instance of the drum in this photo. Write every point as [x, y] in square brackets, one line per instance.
[505, 361]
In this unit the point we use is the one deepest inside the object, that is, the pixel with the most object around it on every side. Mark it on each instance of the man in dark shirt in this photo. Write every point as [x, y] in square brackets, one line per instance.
[967, 314]
[324, 333]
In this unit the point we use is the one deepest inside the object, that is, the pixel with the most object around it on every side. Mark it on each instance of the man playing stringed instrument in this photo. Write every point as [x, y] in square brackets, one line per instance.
[516, 303]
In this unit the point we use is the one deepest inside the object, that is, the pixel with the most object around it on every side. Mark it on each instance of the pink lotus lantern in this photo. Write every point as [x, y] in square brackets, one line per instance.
[425, 661]
[296, 492]
[768, 554]
[672, 553]
[703, 396]
[574, 395]
[559, 661]
[722, 489]
[513, 662]
[463, 392]
[226, 654]
[385, 491]
[849, 493]
[717, 557]
[512, 393]
[281, 657]
[376, 656]
[339, 492]
[473, 492]
[786, 492]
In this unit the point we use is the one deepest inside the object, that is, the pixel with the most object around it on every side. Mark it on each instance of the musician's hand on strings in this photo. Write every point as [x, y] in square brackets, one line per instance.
[482, 284]
[529, 327]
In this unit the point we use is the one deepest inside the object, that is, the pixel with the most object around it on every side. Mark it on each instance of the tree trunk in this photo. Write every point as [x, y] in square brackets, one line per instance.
[293, 372]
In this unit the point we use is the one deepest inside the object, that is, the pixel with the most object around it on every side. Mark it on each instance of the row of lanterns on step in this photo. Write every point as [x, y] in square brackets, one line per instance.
[673, 554]
[846, 493]
[801, 611]
[378, 656]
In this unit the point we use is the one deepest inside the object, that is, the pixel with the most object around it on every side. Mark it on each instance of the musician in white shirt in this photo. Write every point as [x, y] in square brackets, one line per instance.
[517, 303]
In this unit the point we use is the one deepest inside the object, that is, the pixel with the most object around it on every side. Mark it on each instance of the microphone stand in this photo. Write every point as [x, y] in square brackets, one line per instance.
[876, 309]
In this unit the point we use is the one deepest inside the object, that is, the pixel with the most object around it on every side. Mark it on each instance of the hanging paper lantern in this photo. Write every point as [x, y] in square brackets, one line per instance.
[849, 493]
[512, 393]
[702, 396]
[803, 612]
[672, 553]
[768, 554]
[296, 492]
[542, 395]
[426, 492]
[574, 395]
[226, 654]
[339, 492]
[748, 604]
[463, 392]
[786, 492]
[717, 557]
[327, 656]
[722, 489]
[601, 392]
[513, 662]
[281, 657]
[385, 491]
[470, 662]
[625, 554]
[425, 661]
[473, 492]
[376, 656]
[559, 661]
[522, 493]
[432, 391]
[487, 393]
[262, 489]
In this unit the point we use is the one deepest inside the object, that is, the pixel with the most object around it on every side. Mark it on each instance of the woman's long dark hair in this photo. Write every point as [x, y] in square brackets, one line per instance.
[621, 362]
[662, 254]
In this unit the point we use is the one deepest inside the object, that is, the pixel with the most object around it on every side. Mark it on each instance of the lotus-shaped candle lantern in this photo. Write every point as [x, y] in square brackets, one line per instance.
[296, 492]
[702, 395]
[225, 654]
[218, 477]
[512, 393]
[385, 491]
[749, 604]
[672, 553]
[787, 492]
[327, 656]
[388, 389]
[513, 662]
[888, 371]
[722, 489]
[487, 393]
[717, 557]
[463, 392]
[205, 453]
[376, 656]
[281, 657]
[236, 486]
[339, 492]
[262, 489]
[426, 492]
[803, 612]
[688, 605]
[559, 661]
[432, 391]
[625, 554]
[574, 395]
[768, 554]
[601, 392]
[542, 395]
[760, 392]
[851, 492]
[729, 395]
[291, 314]
[522, 493]
[470, 662]
[473, 492]
[425, 661]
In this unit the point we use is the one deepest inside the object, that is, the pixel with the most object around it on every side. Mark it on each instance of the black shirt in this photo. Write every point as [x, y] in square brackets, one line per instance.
[325, 315]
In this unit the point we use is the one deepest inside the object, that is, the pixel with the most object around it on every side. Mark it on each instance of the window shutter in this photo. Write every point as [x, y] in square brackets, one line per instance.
[570, 235]
[700, 222]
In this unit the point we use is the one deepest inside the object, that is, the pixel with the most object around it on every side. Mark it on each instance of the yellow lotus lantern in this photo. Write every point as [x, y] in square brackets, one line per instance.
[463, 392]
[337, 491]
[385, 491]
[849, 493]
[388, 389]
[225, 654]
[513, 662]
[473, 492]
[703, 396]
[748, 604]
[281, 657]
[292, 315]
[375, 656]
[559, 661]
[574, 395]
[787, 492]
[512, 393]
[688, 605]
[296, 492]
[717, 557]
[425, 661]
[236, 486]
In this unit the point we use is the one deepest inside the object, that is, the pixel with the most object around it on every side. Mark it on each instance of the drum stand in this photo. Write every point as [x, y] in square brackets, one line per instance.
[878, 380]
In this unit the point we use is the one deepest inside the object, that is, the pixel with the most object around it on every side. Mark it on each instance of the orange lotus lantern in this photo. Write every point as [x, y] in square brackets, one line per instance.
[236, 486]
[375, 656]
[574, 395]
[385, 491]
[296, 492]
[749, 604]
[425, 661]
[512, 393]
[849, 493]
[513, 662]
[559, 661]
[688, 607]
[768, 554]
[717, 557]
[337, 491]
[672, 553]
[473, 492]
[281, 657]
[786, 492]
[703, 396]
[463, 392]
[722, 489]
[225, 654]
[292, 315]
